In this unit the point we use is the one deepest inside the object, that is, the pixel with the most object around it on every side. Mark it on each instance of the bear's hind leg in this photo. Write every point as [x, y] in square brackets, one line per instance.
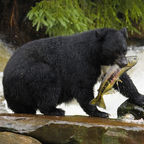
[49, 100]
[21, 108]
[52, 111]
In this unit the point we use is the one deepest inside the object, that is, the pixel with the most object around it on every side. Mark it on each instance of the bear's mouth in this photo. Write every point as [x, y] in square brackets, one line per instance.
[121, 61]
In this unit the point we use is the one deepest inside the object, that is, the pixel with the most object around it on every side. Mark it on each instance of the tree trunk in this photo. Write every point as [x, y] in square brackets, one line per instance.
[14, 25]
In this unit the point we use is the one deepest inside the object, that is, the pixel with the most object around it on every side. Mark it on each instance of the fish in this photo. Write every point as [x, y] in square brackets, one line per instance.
[111, 77]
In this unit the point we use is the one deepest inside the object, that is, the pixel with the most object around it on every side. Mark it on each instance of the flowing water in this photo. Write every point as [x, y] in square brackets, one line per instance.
[112, 100]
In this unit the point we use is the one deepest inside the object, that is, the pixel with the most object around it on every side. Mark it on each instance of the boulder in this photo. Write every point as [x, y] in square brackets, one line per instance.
[73, 129]
[129, 108]
[12, 138]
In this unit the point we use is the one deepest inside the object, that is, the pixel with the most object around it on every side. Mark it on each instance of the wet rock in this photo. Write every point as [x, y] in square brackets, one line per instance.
[73, 129]
[118, 136]
[12, 138]
[127, 107]
[4, 55]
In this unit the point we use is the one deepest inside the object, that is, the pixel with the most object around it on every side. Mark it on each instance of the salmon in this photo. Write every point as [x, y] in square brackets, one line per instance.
[112, 76]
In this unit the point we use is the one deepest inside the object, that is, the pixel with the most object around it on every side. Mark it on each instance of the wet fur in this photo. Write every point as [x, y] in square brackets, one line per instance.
[46, 72]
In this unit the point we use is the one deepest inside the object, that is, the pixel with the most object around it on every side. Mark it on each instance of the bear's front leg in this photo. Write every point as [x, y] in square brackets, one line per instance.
[128, 89]
[83, 97]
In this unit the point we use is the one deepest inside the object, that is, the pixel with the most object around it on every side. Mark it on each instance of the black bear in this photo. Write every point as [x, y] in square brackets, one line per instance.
[46, 72]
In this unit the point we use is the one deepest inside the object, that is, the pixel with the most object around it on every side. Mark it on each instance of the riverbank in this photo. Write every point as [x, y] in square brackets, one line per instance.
[68, 130]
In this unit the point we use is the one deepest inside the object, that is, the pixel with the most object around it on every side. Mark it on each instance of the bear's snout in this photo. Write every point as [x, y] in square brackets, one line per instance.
[121, 61]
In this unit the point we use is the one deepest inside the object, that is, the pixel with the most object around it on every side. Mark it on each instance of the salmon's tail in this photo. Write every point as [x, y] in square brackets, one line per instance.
[98, 102]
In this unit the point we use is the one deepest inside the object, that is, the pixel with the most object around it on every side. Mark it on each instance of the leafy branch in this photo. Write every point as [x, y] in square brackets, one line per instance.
[64, 17]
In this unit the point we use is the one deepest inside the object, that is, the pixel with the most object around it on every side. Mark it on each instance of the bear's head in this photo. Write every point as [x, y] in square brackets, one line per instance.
[113, 46]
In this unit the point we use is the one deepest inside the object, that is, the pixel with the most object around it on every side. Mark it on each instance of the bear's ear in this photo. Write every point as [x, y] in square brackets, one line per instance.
[100, 33]
[124, 32]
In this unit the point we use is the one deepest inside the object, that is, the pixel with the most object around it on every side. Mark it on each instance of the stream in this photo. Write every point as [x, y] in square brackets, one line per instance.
[112, 101]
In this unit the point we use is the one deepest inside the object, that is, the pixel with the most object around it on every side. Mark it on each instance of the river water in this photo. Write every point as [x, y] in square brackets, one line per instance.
[112, 100]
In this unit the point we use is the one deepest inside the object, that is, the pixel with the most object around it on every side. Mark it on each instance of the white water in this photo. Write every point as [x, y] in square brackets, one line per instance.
[112, 100]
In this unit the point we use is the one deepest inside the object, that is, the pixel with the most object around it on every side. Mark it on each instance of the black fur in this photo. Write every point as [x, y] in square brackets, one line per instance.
[46, 72]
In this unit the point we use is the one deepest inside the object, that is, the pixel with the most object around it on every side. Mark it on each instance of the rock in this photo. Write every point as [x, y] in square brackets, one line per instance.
[4, 55]
[12, 138]
[73, 129]
[130, 108]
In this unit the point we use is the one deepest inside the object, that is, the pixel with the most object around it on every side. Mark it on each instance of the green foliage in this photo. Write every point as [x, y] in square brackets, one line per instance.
[64, 17]
[59, 17]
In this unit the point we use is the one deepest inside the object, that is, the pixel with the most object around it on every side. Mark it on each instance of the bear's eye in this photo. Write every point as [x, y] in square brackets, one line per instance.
[121, 52]
[124, 51]
[124, 48]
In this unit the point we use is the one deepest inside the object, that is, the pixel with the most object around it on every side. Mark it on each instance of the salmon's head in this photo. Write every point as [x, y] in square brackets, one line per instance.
[132, 60]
